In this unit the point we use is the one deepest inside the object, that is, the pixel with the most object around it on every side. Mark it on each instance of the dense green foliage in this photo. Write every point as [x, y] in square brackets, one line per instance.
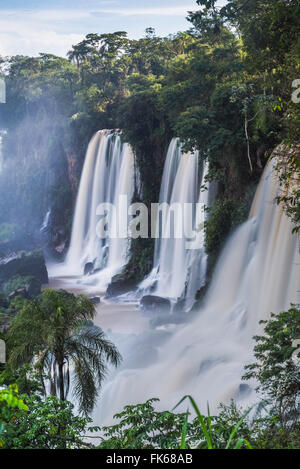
[17, 282]
[9, 402]
[38, 424]
[141, 426]
[269, 31]
[277, 366]
[224, 87]
[288, 169]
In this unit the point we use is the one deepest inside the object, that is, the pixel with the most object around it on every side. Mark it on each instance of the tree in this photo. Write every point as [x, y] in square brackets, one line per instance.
[277, 366]
[55, 332]
[10, 405]
[245, 95]
[141, 426]
[47, 424]
[287, 165]
[269, 30]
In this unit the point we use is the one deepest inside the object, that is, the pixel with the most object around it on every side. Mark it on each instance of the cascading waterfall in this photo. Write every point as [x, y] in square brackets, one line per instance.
[179, 271]
[45, 223]
[108, 173]
[258, 273]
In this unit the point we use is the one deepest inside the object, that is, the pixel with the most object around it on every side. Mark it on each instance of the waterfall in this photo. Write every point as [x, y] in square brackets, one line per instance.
[179, 271]
[45, 223]
[257, 273]
[108, 173]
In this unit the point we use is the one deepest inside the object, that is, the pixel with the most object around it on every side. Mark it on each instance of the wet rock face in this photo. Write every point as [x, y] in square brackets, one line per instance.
[32, 289]
[24, 264]
[120, 285]
[55, 242]
[95, 300]
[88, 268]
[244, 390]
[155, 303]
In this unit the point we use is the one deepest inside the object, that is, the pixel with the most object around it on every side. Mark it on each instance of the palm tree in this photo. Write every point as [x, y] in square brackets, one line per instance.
[56, 332]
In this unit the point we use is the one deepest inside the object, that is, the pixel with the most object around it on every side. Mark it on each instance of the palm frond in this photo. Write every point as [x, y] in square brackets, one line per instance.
[84, 386]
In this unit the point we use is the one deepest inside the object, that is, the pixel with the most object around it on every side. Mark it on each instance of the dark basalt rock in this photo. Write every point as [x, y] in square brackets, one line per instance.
[24, 264]
[119, 285]
[88, 268]
[244, 390]
[155, 303]
[55, 240]
[95, 300]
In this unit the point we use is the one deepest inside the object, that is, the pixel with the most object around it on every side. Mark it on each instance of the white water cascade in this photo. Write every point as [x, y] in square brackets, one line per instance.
[179, 266]
[258, 273]
[45, 223]
[108, 173]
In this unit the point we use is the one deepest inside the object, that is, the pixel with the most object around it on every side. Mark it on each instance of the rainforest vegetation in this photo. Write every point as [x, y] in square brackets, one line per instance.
[224, 87]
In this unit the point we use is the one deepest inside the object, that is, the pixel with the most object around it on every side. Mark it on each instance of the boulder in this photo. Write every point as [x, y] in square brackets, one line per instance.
[88, 268]
[119, 285]
[244, 390]
[24, 264]
[155, 303]
[95, 300]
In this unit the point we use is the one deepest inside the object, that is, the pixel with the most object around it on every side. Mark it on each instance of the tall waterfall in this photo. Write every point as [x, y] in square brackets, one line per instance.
[257, 273]
[179, 271]
[108, 173]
